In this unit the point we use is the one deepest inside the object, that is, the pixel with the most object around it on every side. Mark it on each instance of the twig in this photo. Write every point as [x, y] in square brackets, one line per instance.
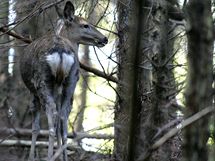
[105, 72]
[100, 63]
[101, 127]
[59, 152]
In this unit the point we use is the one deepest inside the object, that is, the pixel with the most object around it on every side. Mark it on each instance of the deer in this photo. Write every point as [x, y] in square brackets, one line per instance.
[49, 68]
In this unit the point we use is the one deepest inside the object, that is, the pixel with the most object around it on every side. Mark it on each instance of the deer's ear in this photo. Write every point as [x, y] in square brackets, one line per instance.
[69, 11]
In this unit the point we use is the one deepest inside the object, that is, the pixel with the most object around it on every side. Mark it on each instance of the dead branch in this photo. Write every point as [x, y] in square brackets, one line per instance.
[98, 73]
[15, 35]
[45, 133]
[43, 144]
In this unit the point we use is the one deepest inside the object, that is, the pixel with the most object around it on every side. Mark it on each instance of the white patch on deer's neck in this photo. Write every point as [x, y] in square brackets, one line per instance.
[60, 25]
[56, 64]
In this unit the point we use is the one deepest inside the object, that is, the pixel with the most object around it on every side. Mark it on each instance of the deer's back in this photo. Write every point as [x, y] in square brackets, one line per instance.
[48, 59]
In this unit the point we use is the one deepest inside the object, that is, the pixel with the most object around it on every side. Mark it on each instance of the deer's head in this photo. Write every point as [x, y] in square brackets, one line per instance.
[79, 30]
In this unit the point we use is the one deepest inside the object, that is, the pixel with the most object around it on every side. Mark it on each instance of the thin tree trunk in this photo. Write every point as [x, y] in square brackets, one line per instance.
[164, 110]
[84, 84]
[198, 93]
[141, 124]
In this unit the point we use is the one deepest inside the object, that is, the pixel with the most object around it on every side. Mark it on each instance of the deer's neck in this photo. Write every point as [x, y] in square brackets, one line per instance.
[63, 33]
[72, 43]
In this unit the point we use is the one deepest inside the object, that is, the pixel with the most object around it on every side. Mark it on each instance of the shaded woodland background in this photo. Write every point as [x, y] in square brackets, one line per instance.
[146, 96]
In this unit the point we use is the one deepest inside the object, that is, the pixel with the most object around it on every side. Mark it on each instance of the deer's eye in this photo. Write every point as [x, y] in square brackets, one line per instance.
[86, 26]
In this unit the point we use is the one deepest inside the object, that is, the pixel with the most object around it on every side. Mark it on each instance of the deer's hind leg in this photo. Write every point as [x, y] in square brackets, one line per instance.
[48, 103]
[58, 127]
[68, 91]
[35, 109]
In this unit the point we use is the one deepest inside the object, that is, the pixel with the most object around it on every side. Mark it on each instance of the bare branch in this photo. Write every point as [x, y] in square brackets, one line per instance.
[182, 125]
[98, 73]
[45, 133]
[11, 33]
[44, 144]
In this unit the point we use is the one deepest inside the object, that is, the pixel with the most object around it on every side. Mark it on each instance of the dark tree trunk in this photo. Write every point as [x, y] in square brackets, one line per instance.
[198, 93]
[126, 108]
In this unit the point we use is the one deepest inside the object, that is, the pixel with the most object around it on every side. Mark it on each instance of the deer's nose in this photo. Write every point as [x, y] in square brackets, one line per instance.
[105, 40]
[102, 42]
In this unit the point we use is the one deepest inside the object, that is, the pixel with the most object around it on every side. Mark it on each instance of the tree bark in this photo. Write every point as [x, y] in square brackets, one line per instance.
[147, 103]
[164, 102]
